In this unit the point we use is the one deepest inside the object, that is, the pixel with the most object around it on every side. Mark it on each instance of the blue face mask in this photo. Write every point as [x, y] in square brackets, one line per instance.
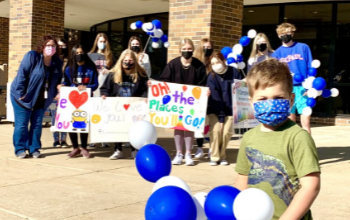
[101, 46]
[272, 112]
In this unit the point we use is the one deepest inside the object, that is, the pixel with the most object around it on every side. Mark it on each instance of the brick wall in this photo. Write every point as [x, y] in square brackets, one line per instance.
[4, 40]
[220, 20]
[29, 20]
[330, 121]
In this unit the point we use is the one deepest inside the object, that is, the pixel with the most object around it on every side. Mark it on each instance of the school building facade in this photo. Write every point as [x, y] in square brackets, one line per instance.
[323, 25]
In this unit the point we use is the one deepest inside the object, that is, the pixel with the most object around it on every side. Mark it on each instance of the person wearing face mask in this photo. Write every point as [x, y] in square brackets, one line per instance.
[101, 54]
[220, 107]
[32, 91]
[189, 71]
[127, 79]
[299, 58]
[261, 51]
[135, 45]
[80, 72]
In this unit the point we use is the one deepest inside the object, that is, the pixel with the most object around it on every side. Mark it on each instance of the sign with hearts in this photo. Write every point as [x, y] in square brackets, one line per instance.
[112, 118]
[73, 108]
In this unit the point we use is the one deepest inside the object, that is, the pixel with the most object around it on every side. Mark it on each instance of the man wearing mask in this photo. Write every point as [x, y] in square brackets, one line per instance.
[298, 57]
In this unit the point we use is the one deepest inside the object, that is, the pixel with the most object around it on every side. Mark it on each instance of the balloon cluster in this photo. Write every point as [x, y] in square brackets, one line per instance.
[153, 29]
[233, 55]
[172, 198]
[315, 87]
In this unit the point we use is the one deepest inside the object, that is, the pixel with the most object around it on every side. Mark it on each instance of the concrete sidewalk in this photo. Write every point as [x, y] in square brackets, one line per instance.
[57, 188]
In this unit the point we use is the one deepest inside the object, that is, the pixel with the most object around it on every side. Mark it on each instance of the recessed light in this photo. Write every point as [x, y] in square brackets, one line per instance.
[251, 11]
[285, 18]
[315, 12]
[72, 14]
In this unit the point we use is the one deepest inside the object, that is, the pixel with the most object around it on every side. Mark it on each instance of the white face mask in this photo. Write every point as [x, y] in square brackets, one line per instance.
[219, 68]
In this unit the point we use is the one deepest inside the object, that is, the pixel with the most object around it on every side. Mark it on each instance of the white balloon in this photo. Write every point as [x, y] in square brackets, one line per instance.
[155, 44]
[148, 27]
[142, 133]
[307, 84]
[158, 33]
[251, 61]
[253, 204]
[335, 92]
[237, 49]
[232, 55]
[235, 65]
[241, 65]
[166, 44]
[307, 111]
[133, 26]
[319, 92]
[171, 181]
[252, 33]
[315, 64]
[199, 200]
[312, 93]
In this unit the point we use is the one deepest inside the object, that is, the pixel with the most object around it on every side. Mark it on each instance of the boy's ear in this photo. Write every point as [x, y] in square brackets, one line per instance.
[251, 102]
[292, 99]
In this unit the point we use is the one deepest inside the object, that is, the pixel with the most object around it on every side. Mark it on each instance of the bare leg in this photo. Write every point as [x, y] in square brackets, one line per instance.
[189, 136]
[179, 140]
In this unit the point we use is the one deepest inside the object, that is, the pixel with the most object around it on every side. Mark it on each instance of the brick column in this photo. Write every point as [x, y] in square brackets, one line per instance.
[4, 40]
[219, 20]
[29, 20]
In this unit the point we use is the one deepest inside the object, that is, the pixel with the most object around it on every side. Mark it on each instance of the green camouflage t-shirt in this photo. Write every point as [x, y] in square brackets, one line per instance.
[275, 161]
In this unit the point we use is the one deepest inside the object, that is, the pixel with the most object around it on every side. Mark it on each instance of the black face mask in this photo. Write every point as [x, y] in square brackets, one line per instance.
[79, 58]
[135, 49]
[207, 52]
[128, 65]
[187, 54]
[286, 38]
[261, 47]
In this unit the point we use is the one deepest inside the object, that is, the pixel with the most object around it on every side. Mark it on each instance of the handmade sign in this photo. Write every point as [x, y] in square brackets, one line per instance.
[73, 110]
[177, 106]
[243, 113]
[112, 118]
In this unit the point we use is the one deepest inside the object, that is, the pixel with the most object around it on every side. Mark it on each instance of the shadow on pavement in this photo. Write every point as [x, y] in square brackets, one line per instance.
[338, 154]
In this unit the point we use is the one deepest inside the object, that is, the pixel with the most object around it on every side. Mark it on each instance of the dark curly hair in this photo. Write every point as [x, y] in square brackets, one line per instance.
[42, 41]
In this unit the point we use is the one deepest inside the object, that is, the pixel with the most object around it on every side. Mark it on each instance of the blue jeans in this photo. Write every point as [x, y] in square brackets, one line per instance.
[24, 139]
[56, 135]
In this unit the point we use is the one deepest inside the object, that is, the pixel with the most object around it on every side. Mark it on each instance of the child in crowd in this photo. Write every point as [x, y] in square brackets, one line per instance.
[278, 156]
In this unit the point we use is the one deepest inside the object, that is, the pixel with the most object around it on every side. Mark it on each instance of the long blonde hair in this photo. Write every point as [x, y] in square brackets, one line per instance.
[186, 41]
[117, 70]
[255, 48]
[199, 54]
[107, 51]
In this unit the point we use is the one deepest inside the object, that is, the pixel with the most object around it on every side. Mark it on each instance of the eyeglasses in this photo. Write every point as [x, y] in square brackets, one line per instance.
[81, 114]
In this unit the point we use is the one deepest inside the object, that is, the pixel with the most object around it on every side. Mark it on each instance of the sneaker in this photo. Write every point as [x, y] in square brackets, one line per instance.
[75, 152]
[56, 144]
[199, 153]
[177, 159]
[133, 154]
[213, 163]
[224, 163]
[117, 155]
[92, 145]
[85, 153]
[189, 161]
[104, 145]
[36, 154]
[22, 155]
[64, 144]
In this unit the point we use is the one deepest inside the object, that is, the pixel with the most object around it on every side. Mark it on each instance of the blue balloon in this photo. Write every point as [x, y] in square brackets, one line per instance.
[154, 39]
[157, 24]
[326, 93]
[319, 83]
[312, 71]
[166, 99]
[230, 60]
[170, 203]
[244, 41]
[138, 24]
[239, 58]
[226, 51]
[299, 78]
[164, 38]
[150, 33]
[311, 102]
[153, 162]
[219, 203]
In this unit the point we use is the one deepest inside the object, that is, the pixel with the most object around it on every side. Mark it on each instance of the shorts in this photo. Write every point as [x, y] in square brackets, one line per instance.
[299, 100]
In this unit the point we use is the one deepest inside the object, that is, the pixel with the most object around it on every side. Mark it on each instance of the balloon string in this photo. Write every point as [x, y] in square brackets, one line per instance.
[244, 73]
[144, 49]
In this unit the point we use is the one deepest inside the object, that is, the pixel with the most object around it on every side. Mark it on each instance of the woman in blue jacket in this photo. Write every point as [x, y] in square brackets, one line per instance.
[80, 72]
[219, 110]
[32, 91]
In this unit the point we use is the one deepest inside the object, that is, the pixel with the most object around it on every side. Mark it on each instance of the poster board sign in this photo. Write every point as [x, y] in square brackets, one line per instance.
[112, 118]
[73, 110]
[177, 106]
[243, 113]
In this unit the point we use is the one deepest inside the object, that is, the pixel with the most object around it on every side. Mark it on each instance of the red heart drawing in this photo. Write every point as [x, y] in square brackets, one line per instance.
[184, 88]
[206, 129]
[78, 99]
[126, 107]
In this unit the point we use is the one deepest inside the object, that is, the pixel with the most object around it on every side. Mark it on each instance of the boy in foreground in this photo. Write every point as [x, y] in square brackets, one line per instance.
[278, 156]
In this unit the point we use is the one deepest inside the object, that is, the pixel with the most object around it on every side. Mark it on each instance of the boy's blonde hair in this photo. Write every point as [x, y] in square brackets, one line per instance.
[269, 73]
[186, 41]
[282, 27]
